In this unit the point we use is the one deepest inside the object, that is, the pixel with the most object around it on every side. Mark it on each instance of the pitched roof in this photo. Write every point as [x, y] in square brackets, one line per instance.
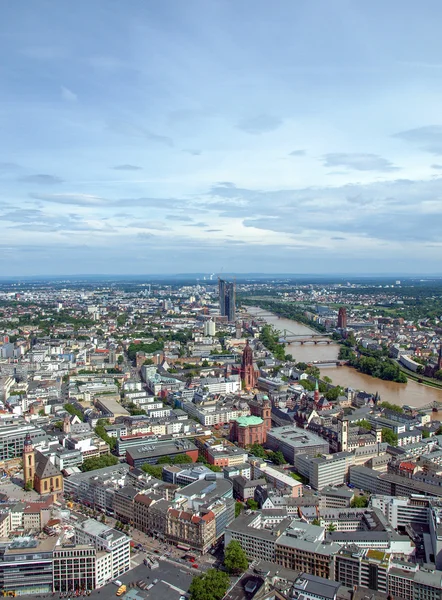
[44, 468]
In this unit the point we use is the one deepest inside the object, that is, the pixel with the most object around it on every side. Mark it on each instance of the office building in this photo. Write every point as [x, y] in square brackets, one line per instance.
[324, 470]
[292, 441]
[113, 548]
[154, 450]
[227, 299]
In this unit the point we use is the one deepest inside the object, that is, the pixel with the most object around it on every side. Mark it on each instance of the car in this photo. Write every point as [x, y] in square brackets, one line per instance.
[155, 581]
[194, 566]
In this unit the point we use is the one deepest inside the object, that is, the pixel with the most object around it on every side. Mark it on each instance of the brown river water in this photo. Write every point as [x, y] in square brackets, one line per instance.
[411, 393]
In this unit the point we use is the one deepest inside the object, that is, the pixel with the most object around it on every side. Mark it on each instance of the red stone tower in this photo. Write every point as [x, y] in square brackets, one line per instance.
[247, 371]
[439, 359]
[342, 318]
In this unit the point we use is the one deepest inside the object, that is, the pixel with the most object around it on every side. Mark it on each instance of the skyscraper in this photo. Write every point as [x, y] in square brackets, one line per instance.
[342, 318]
[227, 299]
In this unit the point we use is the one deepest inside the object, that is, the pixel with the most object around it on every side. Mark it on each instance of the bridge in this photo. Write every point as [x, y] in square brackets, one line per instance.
[326, 363]
[435, 406]
[315, 338]
[312, 339]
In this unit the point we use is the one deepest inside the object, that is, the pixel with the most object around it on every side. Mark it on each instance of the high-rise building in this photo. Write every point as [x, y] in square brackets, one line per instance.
[227, 299]
[342, 318]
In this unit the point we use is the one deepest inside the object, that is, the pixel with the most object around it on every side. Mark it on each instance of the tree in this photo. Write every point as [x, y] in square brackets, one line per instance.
[252, 504]
[182, 459]
[29, 486]
[389, 436]
[390, 406]
[73, 410]
[213, 585]
[239, 507]
[153, 470]
[258, 451]
[235, 559]
[316, 521]
[98, 462]
[425, 433]
[331, 528]
[120, 360]
[359, 502]
[277, 458]
[365, 424]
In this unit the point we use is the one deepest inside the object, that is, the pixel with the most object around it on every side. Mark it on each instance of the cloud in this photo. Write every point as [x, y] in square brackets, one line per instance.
[68, 95]
[38, 220]
[338, 238]
[158, 225]
[182, 218]
[358, 162]
[192, 152]
[41, 179]
[297, 153]
[428, 138]
[437, 167]
[8, 166]
[213, 230]
[131, 129]
[74, 199]
[259, 124]
[127, 168]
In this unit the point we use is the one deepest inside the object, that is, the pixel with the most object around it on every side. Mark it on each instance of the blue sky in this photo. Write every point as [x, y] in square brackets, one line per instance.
[200, 135]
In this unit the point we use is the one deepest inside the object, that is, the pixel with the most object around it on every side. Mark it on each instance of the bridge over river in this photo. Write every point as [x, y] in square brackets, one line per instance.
[288, 337]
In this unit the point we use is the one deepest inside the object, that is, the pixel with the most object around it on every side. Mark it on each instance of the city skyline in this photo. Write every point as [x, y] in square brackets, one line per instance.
[195, 136]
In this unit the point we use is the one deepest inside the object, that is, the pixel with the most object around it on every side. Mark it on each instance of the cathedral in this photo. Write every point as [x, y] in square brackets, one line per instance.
[38, 471]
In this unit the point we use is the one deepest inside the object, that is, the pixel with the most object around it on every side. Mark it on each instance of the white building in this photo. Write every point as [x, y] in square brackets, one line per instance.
[113, 549]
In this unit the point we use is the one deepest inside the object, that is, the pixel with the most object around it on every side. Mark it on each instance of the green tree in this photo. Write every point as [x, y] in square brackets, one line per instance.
[73, 410]
[98, 462]
[331, 528]
[365, 424]
[389, 436]
[153, 470]
[438, 374]
[277, 457]
[182, 459]
[425, 433]
[29, 486]
[391, 406]
[239, 507]
[213, 585]
[164, 460]
[120, 360]
[235, 559]
[252, 504]
[359, 502]
[101, 432]
[316, 521]
[258, 451]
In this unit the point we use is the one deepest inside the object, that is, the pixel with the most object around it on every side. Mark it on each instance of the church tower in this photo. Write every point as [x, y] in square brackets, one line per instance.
[28, 461]
[66, 425]
[316, 395]
[247, 371]
[342, 434]
[439, 359]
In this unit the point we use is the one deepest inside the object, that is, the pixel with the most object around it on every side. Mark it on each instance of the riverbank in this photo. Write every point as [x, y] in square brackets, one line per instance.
[420, 379]
[287, 311]
[411, 393]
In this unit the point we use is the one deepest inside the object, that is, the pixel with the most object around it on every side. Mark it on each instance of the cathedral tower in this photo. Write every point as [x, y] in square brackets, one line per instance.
[28, 461]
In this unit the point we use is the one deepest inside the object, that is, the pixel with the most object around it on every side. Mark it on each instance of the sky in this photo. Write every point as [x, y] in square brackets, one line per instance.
[178, 136]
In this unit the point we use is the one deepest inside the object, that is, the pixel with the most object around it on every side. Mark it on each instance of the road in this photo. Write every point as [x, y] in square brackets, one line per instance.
[173, 583]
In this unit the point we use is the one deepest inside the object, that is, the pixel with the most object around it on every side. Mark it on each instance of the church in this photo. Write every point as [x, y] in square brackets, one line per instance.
[38, 471]
[249, 370]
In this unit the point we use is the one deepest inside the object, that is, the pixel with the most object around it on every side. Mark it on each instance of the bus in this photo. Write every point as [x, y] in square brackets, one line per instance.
[183, 547]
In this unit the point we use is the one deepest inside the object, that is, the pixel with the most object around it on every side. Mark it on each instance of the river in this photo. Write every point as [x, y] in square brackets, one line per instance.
[411, 393]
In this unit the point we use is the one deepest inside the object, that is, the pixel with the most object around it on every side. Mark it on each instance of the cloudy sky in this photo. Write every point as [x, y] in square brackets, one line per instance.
[169, 136]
